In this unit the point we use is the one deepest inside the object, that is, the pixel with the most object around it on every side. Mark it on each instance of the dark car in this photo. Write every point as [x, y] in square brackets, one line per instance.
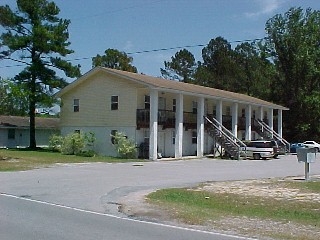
[294, 146]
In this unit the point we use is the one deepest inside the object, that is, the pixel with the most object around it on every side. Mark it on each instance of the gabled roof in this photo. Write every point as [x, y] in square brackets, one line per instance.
[174, 86]
[23, 122]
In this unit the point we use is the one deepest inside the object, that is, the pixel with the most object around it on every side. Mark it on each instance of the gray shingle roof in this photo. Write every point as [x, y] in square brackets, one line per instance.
[23, 122]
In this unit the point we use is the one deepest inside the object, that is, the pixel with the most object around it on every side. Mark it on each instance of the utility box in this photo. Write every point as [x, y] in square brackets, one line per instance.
[307, 155]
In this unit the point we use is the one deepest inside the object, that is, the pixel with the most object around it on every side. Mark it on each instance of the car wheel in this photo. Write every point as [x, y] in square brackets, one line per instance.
[317, 149]
[256, 156]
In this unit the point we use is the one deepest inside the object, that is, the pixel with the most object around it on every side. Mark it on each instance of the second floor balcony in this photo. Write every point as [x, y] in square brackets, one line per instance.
[167, 119]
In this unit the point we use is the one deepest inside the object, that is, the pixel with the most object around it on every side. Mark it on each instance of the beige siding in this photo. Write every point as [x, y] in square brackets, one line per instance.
[95, 103]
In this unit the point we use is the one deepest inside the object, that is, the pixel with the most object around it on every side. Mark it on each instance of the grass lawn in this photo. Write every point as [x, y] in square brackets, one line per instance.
[22, 159]
[200, 207]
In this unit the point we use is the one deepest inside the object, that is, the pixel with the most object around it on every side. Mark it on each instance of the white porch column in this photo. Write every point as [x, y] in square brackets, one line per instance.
[280, 122]
[200, 127]
[248, 122]
[219, 111]
[260, 113]
[270, 118]
[153, 140]
[235, 119]
[179, 126]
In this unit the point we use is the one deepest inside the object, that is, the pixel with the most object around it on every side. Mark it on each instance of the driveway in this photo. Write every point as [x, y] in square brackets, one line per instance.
[100, 186]
[80, 201]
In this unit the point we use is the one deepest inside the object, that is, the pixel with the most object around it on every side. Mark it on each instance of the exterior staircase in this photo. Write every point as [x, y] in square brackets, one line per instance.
[267, 133]
[233, 147]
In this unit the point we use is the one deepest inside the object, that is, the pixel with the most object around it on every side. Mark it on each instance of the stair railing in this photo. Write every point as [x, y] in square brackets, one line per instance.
[274, 134]
[228, 135]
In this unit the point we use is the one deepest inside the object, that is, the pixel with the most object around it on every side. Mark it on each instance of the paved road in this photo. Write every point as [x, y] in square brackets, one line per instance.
[74, 201]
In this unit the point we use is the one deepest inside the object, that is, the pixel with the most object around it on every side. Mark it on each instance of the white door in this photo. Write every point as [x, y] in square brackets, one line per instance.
[162, 103]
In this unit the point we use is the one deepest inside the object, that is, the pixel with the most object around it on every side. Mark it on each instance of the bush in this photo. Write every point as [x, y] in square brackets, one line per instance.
[86, 153]
[125, 147]
[72, 144]
[55, 143]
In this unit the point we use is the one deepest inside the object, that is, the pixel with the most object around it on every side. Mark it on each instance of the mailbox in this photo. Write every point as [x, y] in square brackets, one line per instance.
[307, 155]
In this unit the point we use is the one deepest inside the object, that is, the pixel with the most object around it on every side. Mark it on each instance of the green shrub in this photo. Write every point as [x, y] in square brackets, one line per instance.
[125, 147]
[55, 143]
[89, 139]
[72, 144]
[86, 153]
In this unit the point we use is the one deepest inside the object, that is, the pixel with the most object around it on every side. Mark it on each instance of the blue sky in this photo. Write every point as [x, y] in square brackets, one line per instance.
[140, 25]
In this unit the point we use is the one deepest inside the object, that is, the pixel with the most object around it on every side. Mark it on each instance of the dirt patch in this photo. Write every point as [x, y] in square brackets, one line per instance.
[134, 205]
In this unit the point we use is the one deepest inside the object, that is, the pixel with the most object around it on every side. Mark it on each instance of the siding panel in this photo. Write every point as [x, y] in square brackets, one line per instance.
[95, 103]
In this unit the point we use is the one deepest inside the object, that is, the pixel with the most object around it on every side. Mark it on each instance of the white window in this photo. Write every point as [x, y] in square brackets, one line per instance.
[243, 112]
[228, 111]
[194, 107]
[146, 102]
[114, 102]
[174, 105]
[194, 137]
[76, 105]
[146, 136]
[162, 103]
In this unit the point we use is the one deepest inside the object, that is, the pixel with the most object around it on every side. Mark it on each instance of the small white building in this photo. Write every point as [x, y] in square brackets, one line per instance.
[14, 131]
[165, 116]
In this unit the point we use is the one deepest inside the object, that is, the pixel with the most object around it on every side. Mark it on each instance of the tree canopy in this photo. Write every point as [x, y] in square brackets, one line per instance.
[36, 36]
[283, 68]
[182, 67]
[115, 59]
[13, 100]
[293, 44]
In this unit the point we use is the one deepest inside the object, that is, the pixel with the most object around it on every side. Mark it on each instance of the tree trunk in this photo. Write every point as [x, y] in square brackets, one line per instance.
[32, 113]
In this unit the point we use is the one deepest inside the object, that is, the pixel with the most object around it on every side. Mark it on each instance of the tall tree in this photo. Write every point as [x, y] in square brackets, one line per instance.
[36, 33]
[182, 67]
[255, 71]
[219, 65]
[13, 100]
[294, 45]
[114, 59]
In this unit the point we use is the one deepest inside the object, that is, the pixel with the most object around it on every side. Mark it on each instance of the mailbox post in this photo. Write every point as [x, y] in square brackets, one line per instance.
[306, 155]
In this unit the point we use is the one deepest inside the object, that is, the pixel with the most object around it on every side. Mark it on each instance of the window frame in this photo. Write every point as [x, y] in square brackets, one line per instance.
[146, 102]
[114, 102]
[194, 137]
[194, 107]
[174, 105]
[113, 134]
[11, 133]
[228, 111]
[76, 105]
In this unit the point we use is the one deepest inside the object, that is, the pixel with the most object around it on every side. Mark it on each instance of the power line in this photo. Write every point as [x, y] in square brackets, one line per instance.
[191, 46]
[148, 51]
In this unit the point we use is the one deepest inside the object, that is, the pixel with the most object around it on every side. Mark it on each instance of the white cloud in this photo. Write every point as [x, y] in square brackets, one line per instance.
[265, 7]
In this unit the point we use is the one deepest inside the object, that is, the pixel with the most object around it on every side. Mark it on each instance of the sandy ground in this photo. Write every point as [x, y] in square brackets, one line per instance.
[135, 205]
